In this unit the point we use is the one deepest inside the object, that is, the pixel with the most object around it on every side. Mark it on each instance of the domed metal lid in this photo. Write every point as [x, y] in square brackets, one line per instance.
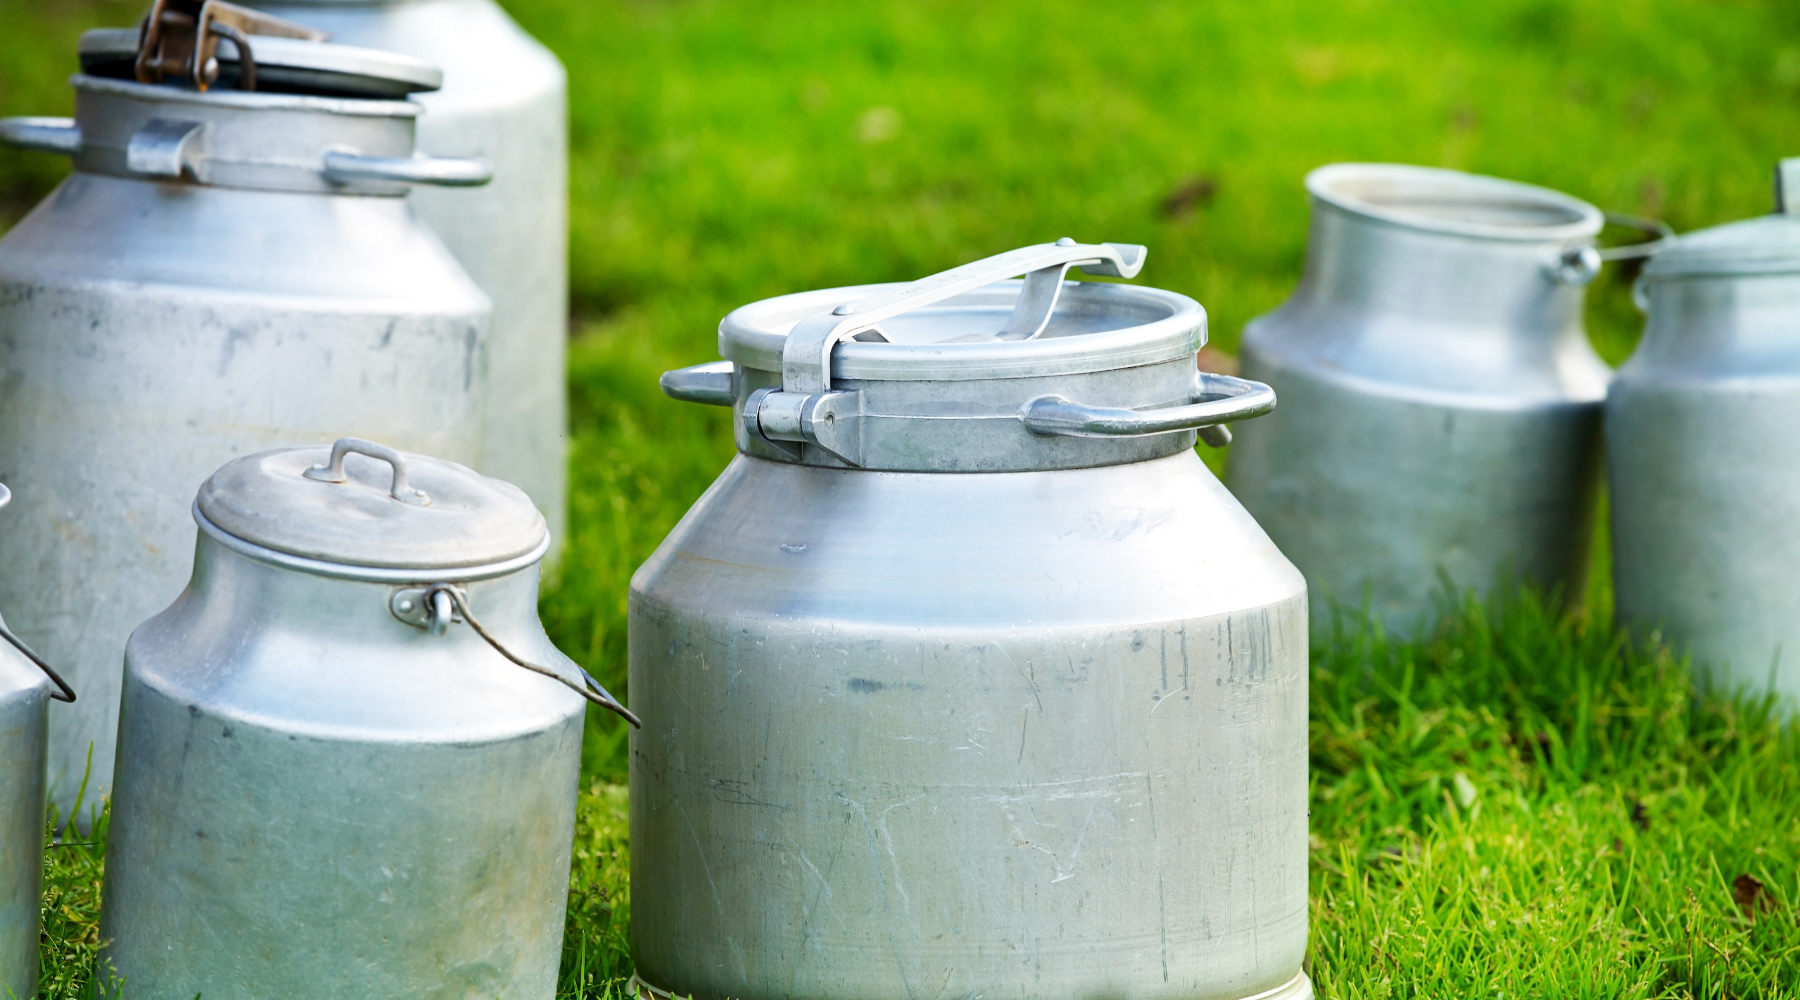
[1455, 203]
[971, 323]
[277, 64]
[1769, 245]
[362, 504]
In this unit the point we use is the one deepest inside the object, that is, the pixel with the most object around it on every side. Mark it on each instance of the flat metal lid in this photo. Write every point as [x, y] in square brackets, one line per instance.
[373, 518]
[283, 65]
[1769, 245]
[1094, 327]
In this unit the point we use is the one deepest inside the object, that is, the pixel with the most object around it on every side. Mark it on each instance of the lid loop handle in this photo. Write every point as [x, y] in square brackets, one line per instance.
[334, 472]
[806, 356]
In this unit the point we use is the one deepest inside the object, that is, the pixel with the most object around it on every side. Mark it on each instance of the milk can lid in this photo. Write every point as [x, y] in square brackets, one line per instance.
[358, 503]
[972, 323]
[281, 65]
[1769, 245]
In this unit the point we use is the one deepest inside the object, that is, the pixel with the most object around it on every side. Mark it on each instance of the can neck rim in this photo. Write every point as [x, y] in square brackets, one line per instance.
[367, 574]
[1458, 201]
[253, 101]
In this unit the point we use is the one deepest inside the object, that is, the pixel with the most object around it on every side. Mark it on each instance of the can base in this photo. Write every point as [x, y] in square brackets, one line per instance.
[1297, 988]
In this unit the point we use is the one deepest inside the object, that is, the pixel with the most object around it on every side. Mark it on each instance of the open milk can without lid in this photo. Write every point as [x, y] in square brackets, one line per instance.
[348, 753]
[226, 270]
[505, 99]
[967, 678]
[27, 685]
[1703, 455]
[1440, 403]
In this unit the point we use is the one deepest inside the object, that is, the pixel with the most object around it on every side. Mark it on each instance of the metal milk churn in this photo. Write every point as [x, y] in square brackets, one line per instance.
[505, 98]
[26, 686]
[225, 271]
[1703, 459]
[348, 754]
[1440, 404]
[967, 678]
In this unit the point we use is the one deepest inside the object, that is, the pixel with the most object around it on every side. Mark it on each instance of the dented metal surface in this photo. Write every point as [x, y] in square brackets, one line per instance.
[152, 327]
[505, 100]
[317, 799]
[1018, 734]
[1440, 404]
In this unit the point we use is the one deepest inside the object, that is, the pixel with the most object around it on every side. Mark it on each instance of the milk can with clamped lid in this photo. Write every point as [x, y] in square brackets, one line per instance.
[227, 270]
[1440, 412]
[504, 99]
[966, 677]
[1703, 453]
[27, 686]
[348, 753]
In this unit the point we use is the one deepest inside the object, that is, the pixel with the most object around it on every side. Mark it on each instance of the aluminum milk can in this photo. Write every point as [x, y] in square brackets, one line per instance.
[26, 687]
[1703, 461]
[967, 678]
[225, 271]
[1440, 404]
[329, 783]
[505, 98]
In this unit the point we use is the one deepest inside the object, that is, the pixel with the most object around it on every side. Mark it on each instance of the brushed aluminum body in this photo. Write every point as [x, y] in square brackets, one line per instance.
[316, 799]
[24, 722]
[505, 99]
[1704, 463]
[1440, 404]
[963, 703]
[152, 328]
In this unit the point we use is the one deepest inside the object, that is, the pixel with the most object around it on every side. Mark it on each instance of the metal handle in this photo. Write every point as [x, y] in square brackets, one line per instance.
[806, 356]
[1226, 399]
[45, 135]
[709, 383]
[1579, 265]
[65, 692]
[442, 171]
[401, 490]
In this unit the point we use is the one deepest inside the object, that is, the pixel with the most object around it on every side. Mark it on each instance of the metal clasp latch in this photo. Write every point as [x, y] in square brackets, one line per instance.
[806, 410]
[182, 36]
[430, 608]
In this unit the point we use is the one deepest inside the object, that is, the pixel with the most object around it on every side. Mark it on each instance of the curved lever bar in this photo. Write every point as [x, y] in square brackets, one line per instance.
[806, 355]
[442, 171]
[1056, 416]
[65, 693]
[45, 135]
[401, 490]
[709, 383]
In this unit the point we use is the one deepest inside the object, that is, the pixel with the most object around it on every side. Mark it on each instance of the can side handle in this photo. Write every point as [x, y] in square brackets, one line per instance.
[333, 472]
[347, 166]
[708, 384]
[44, 135]
[1221, 398]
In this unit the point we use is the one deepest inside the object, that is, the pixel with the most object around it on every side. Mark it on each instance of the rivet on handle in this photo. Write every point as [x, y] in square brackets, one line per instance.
[333, 472]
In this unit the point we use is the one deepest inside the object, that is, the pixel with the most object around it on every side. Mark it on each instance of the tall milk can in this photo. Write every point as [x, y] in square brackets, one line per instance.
[1703, 460]
[505, 98]
[224, 271]
[1440, 404]
[332, 781]
[26, 687]
[967, 678]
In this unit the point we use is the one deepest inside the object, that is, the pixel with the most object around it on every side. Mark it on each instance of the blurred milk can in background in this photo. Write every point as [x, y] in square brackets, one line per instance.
[505, 98]
[1703, 436]
[332, 781]
[967, 676]
[26, 686]
[225, 271]
[1440, 403]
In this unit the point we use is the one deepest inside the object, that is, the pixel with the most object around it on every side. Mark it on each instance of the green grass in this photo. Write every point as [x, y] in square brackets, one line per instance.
[1521, 805]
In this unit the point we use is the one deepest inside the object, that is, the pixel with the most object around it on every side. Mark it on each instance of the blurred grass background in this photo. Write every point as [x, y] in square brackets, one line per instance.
[1518, 806]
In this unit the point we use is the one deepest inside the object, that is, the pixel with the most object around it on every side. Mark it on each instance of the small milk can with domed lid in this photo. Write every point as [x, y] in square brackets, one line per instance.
[27, 686]
[1440, 414]
[232, 266]
[1703, 442]
[348, 754]
[967, 678]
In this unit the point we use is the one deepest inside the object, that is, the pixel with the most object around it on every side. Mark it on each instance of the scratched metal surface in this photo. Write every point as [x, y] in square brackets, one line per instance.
[317, 800]
[1013, 735]
[150, 332]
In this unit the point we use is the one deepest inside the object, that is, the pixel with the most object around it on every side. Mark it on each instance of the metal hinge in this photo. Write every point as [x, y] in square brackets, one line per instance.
[181, 37]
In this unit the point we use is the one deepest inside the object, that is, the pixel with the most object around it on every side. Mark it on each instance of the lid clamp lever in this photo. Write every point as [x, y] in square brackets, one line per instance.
[333, 471]
[182, 36]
